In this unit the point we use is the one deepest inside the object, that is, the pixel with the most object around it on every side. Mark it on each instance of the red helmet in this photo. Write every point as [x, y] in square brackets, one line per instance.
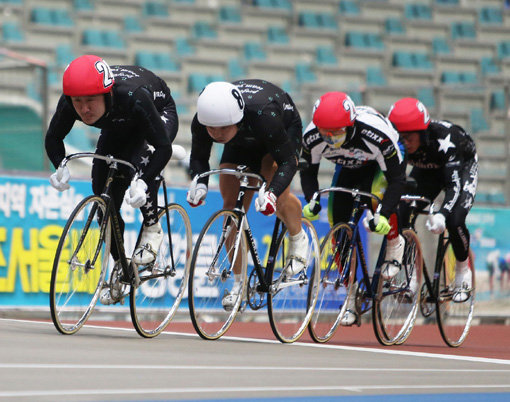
[334, 110]
[87, 75]
[409, 114]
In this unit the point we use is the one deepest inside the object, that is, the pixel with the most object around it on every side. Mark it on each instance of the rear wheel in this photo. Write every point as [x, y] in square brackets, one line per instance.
[454, 318]
[163, 283]
[337, 273]
[398, 299]
[220, 243]
[79, 267]
[291, 299]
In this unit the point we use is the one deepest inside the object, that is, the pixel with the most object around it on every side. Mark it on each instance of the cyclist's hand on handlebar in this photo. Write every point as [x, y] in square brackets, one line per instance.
[136, 195]
[196, 194]
[436, 223]
[265, 202]
[59, 180]
[378, 224]
[311, 210]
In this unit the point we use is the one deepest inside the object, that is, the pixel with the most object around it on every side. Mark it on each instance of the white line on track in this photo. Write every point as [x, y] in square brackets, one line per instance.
[389, 351]
[230, 390]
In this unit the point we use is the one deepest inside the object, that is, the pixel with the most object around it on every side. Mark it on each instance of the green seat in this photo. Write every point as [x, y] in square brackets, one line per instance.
[21, 138]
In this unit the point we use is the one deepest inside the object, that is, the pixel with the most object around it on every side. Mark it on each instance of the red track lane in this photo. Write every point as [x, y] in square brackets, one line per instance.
[489, 341]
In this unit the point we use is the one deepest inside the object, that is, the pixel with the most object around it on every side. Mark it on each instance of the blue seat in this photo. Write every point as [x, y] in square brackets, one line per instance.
[183, 47]
[11, 32]
[113, 39]
[254, 51]
[504, 49]
[145, 59]
[326, 55]
[83, 5]
[197, 82]
[132, 24]
[393, 26]
[155, 9]
[230, 14]
[41, 15]
[418, 12]
[277, 35]
[348, 7]
[375, 76]
[463, 30]
[448, 2]
[422, 61]
[426, 96]
[478, 121]
[468, 77]
[374, 41]
[308, 20]
[62, 18]
[79, 139]
[450, 77]
[356, 96]
[236, 69]
[203, 29]
[440, 46]
[403, 59]
[497, 100]
[490, 16]
[92, 37]
[304, 73]
[489, 66]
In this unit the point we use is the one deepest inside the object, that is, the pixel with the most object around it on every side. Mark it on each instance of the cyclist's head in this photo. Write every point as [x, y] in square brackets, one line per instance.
[87, 84]
[409, 115]
[87, 75]
[333, 113]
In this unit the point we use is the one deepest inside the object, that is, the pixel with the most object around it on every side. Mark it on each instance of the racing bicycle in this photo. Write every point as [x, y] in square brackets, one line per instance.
[81, 260]
[221, 250]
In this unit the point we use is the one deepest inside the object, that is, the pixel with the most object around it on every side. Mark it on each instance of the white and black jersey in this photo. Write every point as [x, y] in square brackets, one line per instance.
[372, 140]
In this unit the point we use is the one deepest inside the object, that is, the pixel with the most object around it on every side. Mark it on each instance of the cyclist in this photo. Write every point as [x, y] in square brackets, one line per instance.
[260, 127]
[138, 121]
[364, 146]
[443, 156]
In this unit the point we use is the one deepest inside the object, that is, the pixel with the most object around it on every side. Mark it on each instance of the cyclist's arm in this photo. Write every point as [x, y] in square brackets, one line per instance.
[311, 153]
[201, 144]
[61, 123]
[452, 179]
[156, 132]
[393, 165]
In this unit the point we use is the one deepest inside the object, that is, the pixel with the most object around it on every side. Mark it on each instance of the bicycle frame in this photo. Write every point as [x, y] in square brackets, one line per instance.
[263, 273]
[110, 214]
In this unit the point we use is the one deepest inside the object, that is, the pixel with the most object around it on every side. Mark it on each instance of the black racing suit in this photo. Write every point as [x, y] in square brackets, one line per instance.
[447, 160]
[139, 126]
[370, 150]
[271, 125]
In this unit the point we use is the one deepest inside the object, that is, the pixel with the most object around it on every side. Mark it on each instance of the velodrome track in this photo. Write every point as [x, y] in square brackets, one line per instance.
[109, 361]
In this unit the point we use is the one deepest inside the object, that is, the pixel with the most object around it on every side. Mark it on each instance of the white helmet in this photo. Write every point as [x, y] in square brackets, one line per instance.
[220, 104]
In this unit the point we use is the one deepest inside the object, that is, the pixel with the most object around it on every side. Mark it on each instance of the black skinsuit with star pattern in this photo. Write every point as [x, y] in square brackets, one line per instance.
[271, 125]
[447, 160]
[139, 126]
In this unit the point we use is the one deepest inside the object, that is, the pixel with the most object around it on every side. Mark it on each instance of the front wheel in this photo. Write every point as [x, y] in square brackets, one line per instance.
[453, 318]
[398, 299]
[163, 283]
[219, 253]
[292, 298]
[338, 262]
[79, 267]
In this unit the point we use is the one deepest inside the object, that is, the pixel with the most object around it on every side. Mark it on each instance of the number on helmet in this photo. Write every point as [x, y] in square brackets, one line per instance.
[104, 69]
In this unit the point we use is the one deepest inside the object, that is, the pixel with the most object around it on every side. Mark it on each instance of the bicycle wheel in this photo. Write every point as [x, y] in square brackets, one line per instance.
[337, 272]
[163, 283]
[398, 299]
[453, 318]
[79, 267]
[291, 300]
[220, 243]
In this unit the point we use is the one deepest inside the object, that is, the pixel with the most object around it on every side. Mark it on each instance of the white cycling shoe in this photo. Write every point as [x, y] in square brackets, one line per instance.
[463, 283]
[147, 250]
[298, 254]
[229, 299]
[393, 260]
[350, 316]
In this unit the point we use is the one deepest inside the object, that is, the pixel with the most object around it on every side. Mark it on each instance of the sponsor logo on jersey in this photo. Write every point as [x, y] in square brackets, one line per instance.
[159, 94]
[370, 134]
[287, 106]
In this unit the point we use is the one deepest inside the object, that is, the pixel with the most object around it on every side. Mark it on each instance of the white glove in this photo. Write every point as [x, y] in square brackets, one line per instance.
[265, 202]
[136, 194]
[436, 223]
[196, 194]
[178, 152]
[59, 180]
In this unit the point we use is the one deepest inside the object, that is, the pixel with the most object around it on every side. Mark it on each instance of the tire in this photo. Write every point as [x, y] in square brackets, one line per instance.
[76, 284]
[337, 272]
[154, 303]
[398, 299]
[212, 274]
[291, 300]
[453, 318]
